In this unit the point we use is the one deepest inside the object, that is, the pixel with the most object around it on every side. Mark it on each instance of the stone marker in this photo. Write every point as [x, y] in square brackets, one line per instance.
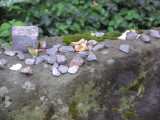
[24, 36]
[145, 38]
[124, 48]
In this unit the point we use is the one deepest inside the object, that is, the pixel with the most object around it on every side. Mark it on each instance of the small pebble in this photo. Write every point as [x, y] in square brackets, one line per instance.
[90, 47]
[10, 53]
[82, 54]
[76, 61]
[98, 47]
[66, 49]
[57, 46]
[99, 34]
[51, 51]
[145, 38]
[55, 65]
[124, 48]
[91, 57]
[50, 59]
[55, 72]
[92, 42]
[73, 69]
[39, 60]
[20, 55]
[26, 70]
[3, 62]
[16, 67]
[131, 35]
[61, 59]
[30, 61]
[155, 34]
[63, 69]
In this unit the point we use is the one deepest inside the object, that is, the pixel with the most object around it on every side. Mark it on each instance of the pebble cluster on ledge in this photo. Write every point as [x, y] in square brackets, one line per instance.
[55, 56]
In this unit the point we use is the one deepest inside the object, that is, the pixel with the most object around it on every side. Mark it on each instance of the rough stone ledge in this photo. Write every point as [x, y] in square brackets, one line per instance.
[97, 88]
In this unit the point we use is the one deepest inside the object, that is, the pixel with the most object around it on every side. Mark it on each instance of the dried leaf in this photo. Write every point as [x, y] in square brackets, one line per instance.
[32, 51]
[41, 50]
[42, 43]
[95, 4]
[92, 33]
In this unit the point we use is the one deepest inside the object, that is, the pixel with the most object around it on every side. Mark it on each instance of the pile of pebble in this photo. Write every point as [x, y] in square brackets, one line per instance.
[55, 56]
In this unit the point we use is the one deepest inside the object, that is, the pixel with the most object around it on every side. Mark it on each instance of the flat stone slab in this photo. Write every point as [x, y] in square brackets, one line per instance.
[24, 36]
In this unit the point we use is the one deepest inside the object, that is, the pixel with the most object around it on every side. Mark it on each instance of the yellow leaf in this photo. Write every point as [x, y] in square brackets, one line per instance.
[95, 4]
[42, 43]
[32, 51]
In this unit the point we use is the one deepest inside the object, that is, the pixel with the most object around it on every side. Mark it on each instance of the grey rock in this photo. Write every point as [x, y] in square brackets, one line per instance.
[44, 56]
[55, 65]
[82, 54]
[124, 48]
[44, 45]
[4, 62]
[61, 59]
[66, 49]
[98, 47]
[99, 34]
[26, 70]
[90, 47]
[107, 46]
[55, 72]
[0, 52]
[155, 34]
[131, 35]
[76, 61]
[63, 69]
[145, 38]
[57, 46]
[30, 61]
[39, 60]
[20, 55]
[91, 57]
[24, 36]
[73, 69]
[51, 51]
[10, 53]
[50, 59]
[92, 42]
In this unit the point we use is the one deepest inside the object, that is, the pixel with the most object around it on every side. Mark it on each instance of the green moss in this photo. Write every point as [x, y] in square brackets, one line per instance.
[73, 110]
[77, 37]
[139, 31]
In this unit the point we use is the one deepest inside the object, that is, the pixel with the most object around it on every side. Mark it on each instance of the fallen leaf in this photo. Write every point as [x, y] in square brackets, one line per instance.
[95, 4]
[42, 43]
[92, 33]
[16, 67]
[32, 51]
[41, 50]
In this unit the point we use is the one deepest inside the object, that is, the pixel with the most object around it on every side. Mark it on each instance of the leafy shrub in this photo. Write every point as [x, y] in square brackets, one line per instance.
[81, 16]
[6, 30]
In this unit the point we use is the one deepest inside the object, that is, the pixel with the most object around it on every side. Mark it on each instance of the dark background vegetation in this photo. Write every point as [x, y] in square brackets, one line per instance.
[64, 17]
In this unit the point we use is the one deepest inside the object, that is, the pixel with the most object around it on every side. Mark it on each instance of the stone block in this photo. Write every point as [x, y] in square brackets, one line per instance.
[24, 36]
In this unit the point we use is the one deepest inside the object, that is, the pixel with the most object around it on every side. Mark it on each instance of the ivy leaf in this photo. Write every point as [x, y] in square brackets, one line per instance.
[18, 23]
[5, 26]
[6, 46]
[4, 33]
[12, 21]
[32, 51]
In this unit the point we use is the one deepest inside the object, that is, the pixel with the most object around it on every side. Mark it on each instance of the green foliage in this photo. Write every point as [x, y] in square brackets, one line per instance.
[73, 110]
[82, 16]
[6, 30]
[77, 37]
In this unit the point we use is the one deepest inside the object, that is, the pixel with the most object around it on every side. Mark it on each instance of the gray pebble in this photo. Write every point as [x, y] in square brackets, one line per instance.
[98, 47]
[92, 42]
[82, 54]
[63, 69]
[55, 72]
[51, 51]
[57, 46]
[4, 62]
[131, 35]
[55, 65]
[124, 48]
[145, 38]
[30, 61]
[61, 59]
[91, 57]
[50, 59]
[39, 60]
[73, 69]
[90, 47]
[66, 49]
[20, 55]
[10, 53]
[99, 34]
[155, 34]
